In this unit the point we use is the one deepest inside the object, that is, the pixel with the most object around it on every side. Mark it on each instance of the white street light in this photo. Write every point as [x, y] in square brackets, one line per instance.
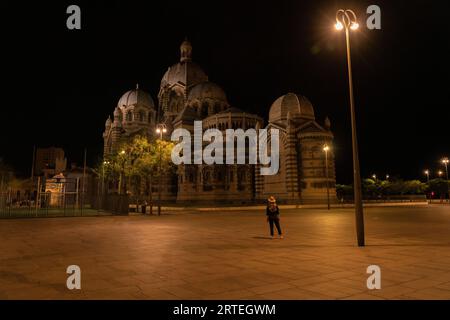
[160, 129]
[326, 148]
[346, 19]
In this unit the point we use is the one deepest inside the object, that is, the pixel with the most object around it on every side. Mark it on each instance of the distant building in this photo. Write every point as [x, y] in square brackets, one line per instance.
[186, 95]
[73, 186]
[49, 161]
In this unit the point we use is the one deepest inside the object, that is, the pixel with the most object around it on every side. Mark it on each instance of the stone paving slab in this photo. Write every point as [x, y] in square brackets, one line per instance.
[228, 255]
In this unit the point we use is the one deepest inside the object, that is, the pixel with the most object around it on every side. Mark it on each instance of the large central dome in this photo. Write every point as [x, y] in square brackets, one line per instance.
[207, 90]
[298, 106]
[185, 73]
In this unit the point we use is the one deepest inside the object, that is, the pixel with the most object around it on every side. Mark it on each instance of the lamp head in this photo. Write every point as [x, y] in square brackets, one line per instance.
[354, 25]
[339, 26]
[346, 18]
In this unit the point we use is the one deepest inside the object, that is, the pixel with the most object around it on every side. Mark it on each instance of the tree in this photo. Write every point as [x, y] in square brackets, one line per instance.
[371, 188]
[439, 187]
[344, 191]
[414, 187]
[136, 164]
[384, 188]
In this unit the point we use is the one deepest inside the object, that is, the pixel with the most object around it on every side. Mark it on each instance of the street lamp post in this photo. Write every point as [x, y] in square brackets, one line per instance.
[103, 176]
[427, 173]
[160, 129]
[326, 148]
[122, 169]
[346, 19]
[445, 162]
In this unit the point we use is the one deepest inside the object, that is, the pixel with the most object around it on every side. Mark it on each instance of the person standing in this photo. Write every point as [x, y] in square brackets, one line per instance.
[273, 216]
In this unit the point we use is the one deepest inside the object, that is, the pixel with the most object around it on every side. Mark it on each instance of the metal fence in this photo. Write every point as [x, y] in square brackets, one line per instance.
[58, 198]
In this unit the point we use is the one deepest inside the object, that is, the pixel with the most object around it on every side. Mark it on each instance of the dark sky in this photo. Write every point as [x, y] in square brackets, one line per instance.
[59, 86]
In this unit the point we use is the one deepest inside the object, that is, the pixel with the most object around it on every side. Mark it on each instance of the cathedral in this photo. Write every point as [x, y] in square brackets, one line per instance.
[186, 95]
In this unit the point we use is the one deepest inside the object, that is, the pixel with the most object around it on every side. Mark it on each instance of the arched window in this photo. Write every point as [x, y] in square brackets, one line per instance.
[149, 119]
[204, 110]
[141, 116]
[129, 116]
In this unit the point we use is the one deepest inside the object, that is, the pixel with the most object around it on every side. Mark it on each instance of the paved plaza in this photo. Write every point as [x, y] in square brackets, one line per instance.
[228, 255]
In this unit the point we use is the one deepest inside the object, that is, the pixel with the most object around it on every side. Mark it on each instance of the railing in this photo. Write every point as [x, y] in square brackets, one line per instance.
[44, 204]
[56, 198]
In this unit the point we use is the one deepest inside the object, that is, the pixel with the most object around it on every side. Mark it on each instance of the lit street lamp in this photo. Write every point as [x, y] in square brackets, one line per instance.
[427, 173]
[445, 162]
[387, 177]
[326, 148]
[103, 176]
[122, 153]
[346, 19]
[374, 176]
[160, 129]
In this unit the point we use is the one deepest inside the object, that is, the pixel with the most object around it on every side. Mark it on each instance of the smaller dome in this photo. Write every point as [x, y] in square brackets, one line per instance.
[207, 90]
[134, 97]
[298, 106]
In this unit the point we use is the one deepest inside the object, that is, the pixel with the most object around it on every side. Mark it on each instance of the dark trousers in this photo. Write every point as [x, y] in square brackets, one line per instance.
[275, 221]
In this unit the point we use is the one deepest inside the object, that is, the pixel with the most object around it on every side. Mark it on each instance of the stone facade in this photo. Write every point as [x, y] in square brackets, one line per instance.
[302, 174]
[187, 95]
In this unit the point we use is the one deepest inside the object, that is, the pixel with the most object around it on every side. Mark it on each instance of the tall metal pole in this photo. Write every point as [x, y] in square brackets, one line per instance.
[159, 177]
[160, 128]
[84, 181]
[326, 175]
[33, 163]
[356, 172]
[446, 173]
[103, 178]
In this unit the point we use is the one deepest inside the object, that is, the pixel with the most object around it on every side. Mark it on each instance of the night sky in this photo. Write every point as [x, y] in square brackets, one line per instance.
[60, 85]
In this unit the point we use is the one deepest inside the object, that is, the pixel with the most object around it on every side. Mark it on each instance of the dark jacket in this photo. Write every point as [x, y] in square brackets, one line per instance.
[272, 214]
